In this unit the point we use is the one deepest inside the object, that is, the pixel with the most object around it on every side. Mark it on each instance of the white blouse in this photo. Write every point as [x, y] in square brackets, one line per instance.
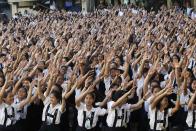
[53, 112]
[91, 116]
[11, 114]
[189, 119]
[123, 113]
[160, 116]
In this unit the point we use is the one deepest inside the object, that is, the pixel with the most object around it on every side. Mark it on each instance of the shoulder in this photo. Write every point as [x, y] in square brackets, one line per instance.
[109, 104]
[81, 107]
[46, 101]
[169, 111]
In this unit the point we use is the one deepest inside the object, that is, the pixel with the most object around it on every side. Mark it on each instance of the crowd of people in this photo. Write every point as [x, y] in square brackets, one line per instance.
[114, 69]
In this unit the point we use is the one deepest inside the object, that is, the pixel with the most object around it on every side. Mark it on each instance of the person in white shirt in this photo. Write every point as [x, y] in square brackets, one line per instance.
[159, 112]
[87, 114]
[22, 101]
[119, 111]
[7, 109]
[53, 108]
[191, 117]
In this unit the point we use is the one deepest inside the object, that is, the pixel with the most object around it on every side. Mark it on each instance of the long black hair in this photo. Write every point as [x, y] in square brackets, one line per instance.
[58, 95]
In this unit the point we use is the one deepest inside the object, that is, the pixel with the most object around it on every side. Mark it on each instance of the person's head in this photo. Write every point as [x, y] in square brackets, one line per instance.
[115, 72]
[175, 58]
[25, 56]
[41, 64]
[193, 85]
[57, 87]
[60, 79]
[8, 97]
[22, 93]
[89, 99]
[155, 89]
[55, 97]
[25, 83]
[146, 67]
[164, 102]
[117, 60]
[154, 83]
[159, 46]
[63, 70]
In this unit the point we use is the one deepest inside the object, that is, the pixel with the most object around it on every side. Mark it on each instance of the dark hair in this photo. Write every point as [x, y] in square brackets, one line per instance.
[58, 95]
[6, 93]
[92, 95]
[28, 79]
[25, 89]
[175, 55]
[59, 88]
[158, 106]
[191, 74]
[154, 87]
[116, 95]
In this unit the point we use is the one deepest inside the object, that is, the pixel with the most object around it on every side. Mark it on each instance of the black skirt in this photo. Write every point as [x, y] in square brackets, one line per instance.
[114, 129]
[52, 127]
[21, 125]
[8, 128]
[84, 129]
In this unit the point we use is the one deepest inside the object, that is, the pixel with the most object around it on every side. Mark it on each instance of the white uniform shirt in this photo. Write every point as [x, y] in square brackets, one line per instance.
[184, 99]
[192, 63]
[107, 81]
[11, 112]
[160, 116]
[20, 113]
[140, 84]
[189, 119]
[51, 111]
[89, 114]
[147, 104]
[111, 115]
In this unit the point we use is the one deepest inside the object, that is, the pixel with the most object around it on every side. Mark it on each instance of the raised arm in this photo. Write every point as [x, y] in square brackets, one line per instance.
[147, 79]
[39, 92]
[2, 91]
[158, 98]
[107, 98]
[122, 98]
[190, 104]
[24, 76]
[177, 105]
[81, 97]
[138, 105]
[142, 66]
[177, 73]
[27, 100]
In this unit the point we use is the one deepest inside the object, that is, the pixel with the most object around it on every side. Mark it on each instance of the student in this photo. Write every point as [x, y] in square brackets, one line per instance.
[159, 112]
[53, 108]
[7, 111]
[119, 110]
[22, 101]
[191, 113]
[87, 114]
